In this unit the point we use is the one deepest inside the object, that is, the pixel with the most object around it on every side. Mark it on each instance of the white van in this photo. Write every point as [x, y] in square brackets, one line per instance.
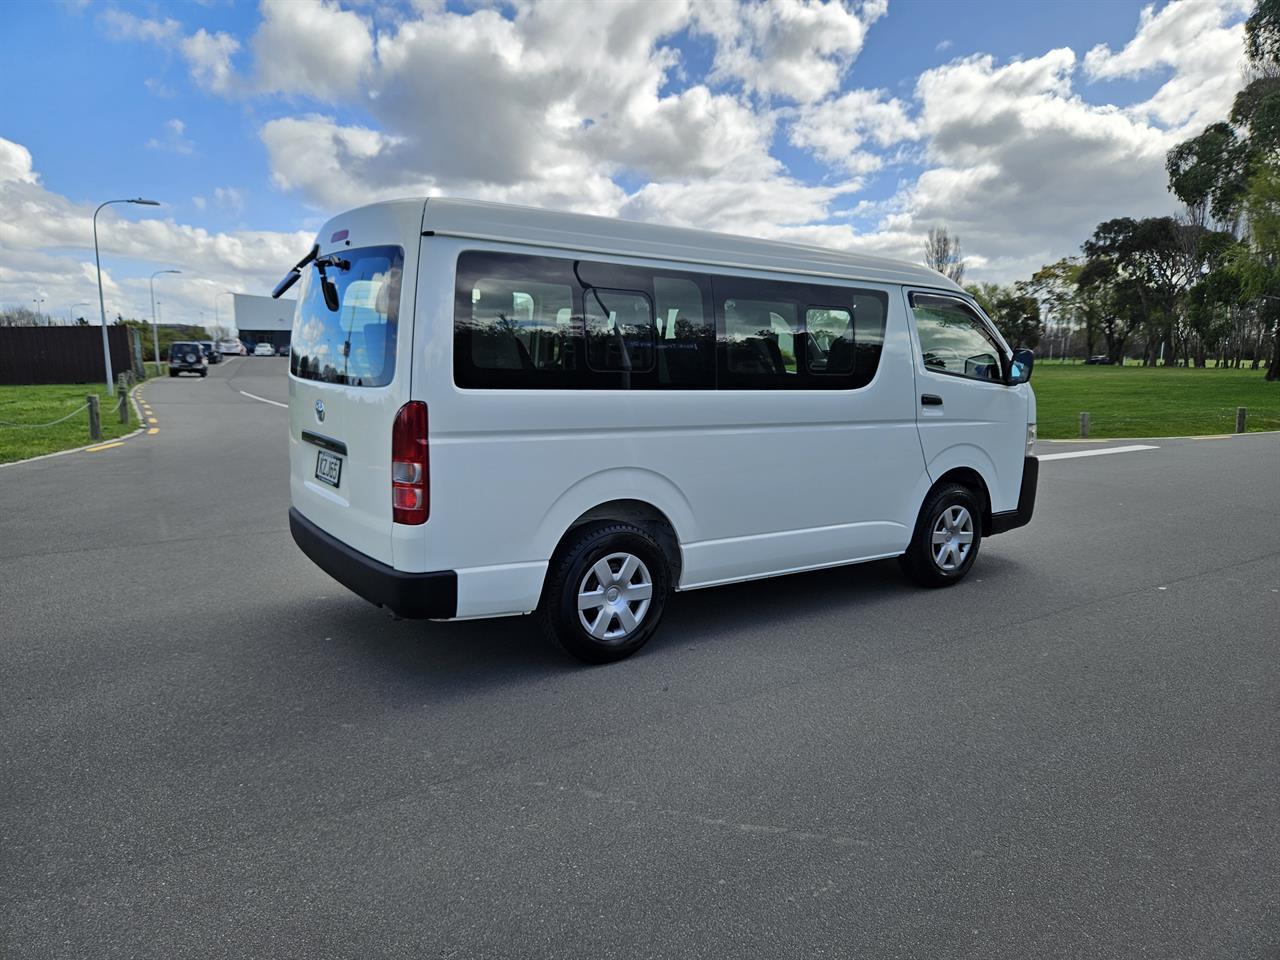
[497, 410]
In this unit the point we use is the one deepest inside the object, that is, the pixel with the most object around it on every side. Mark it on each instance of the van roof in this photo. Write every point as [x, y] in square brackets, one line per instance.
[480, 220]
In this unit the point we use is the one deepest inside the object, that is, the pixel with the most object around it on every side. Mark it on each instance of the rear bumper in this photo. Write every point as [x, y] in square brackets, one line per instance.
[413, 595]
[1012, 519]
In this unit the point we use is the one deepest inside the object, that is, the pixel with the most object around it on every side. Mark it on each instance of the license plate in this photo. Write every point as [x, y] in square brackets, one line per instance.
[328, 468]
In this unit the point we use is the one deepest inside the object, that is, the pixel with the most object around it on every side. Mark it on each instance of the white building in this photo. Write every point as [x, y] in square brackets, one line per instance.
[263, 320]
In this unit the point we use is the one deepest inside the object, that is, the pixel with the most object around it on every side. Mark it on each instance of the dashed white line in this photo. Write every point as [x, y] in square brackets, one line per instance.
[254, 396]
[1132, 448]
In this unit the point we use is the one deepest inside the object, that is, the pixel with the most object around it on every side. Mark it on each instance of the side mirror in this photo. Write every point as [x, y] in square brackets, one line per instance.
[1020, 368]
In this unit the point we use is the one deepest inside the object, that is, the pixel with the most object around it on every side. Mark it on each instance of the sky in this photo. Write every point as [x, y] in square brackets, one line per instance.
[851, 124]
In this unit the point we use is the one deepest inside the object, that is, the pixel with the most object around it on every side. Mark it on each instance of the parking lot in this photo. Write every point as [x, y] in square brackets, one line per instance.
[211, 749]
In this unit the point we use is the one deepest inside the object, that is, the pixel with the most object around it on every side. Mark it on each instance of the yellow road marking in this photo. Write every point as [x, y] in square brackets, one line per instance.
[152, 420]
[153, 431]
[105, 446]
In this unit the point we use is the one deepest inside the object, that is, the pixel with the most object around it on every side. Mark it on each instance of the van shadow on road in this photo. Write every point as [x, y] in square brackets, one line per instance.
[454, 659]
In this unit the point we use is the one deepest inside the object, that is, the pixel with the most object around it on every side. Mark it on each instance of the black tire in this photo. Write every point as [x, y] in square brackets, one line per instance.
[204, 373]
[919, 562]
[173, 373]
[573, 568]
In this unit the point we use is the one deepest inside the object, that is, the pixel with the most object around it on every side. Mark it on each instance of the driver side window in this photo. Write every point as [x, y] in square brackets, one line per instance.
[953, 339]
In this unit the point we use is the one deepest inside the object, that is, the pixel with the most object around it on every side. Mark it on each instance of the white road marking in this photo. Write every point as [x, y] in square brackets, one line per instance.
[254, 396]
[1133, 448]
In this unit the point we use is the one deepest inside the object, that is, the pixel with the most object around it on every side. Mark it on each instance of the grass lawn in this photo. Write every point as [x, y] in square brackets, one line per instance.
[41, 404]
[1151, 401]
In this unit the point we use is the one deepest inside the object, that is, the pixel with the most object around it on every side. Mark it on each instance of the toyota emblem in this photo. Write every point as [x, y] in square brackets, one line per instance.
[320, 410]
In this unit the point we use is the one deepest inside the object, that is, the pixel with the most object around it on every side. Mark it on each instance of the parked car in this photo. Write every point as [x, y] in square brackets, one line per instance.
[211, 351]
[1101, 360]
[282, 350]
[187, 356]
[718, 409]
[231, 348]
[264, 350]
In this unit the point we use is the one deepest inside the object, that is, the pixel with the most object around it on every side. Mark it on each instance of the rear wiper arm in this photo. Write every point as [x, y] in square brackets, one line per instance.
[293, 275]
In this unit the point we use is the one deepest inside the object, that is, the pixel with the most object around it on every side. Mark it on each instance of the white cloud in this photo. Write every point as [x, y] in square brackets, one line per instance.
[229, 198]
[795, 49]
[121, 25]
[172, 139]
[1200, 42]
[209, 57]
[837, 129]
[46, 244]
[311, 47]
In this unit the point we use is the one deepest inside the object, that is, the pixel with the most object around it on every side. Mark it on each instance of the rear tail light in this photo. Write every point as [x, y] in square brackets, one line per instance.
[410, 489]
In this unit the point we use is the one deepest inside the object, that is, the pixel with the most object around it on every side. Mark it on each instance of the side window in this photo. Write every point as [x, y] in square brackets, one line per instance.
[760, 339]
[513, 321]
[797, 336]
[620, 331]
[528, 322]
[954, 340]
[686, 332]
[830, 341]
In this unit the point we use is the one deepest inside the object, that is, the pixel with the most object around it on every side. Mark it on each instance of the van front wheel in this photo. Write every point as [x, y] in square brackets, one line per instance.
[946, 539]
[605, 592]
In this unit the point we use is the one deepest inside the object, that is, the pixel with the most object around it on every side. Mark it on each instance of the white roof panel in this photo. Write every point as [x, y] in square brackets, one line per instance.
[550, 228]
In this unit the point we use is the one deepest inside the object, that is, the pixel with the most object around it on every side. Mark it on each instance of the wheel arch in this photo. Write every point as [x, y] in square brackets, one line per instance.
[634, 495]
[973, 480]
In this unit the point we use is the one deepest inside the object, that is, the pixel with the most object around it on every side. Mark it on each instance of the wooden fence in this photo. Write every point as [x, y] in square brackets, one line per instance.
[62, 354]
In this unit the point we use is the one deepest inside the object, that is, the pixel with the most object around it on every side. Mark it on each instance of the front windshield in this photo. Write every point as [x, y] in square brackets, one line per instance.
[356, 344]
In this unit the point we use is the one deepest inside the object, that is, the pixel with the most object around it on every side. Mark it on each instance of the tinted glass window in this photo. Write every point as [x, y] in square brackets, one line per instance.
[531, 322]
[954, 340]
[545, 323]
[619, 330]
[356, 344]
[797, 336]
[760, 337]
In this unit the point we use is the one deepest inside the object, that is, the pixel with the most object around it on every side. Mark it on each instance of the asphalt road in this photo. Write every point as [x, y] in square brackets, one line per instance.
[209, 749]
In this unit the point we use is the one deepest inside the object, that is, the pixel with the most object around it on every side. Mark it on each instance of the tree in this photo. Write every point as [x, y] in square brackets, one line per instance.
[1063, 305]
[20, 317]
[942, 253]
[1013, 310]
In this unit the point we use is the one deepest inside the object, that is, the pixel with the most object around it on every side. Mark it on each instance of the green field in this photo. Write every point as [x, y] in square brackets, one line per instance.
[41, 404]
[1151, 401]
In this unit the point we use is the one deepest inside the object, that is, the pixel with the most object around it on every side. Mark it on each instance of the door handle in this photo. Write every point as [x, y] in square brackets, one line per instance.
[930, 400]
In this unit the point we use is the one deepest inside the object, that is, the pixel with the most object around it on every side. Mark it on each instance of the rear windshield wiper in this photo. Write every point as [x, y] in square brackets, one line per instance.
[293, 275]
[329, 288]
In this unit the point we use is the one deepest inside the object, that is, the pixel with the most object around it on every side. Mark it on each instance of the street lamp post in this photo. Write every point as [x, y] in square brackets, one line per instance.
[155, 326]
[102, 306]
[37, 301]
[217, 320]
[71, 317]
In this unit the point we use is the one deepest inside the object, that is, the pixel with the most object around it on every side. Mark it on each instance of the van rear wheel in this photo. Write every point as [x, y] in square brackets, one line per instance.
[948, 534]
[605, 591]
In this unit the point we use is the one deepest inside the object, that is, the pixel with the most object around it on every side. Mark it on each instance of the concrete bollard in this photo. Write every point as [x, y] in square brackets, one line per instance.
[1242, 414]
[95, 421]
[122, 390]
[1084, 425]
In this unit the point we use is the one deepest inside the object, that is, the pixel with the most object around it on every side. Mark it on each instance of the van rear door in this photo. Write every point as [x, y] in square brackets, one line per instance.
[349, 373]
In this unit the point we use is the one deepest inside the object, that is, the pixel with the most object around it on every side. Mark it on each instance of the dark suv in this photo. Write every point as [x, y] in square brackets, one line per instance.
[187, 357]
[211, 351]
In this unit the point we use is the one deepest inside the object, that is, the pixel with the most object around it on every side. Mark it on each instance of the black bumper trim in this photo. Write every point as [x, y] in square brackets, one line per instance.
[412, 595]
[1012, 519]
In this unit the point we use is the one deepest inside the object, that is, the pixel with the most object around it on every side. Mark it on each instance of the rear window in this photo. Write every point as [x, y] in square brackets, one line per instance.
[179, 351]
[356, 344]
